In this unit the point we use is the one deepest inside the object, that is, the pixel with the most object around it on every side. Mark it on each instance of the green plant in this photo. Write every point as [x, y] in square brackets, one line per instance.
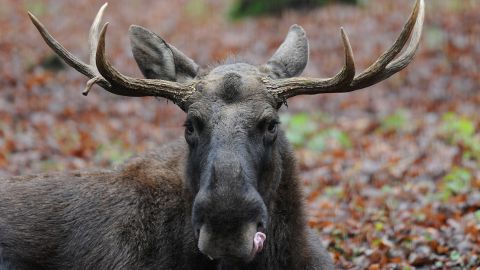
[299, 126]
[395, 122]
[115, 152]
[196, 8]
[457, 127]
[477, 215]
[461, 130]
[320, 140]
[302, 130]
[335, 192]
[457, 181]
[245, 8]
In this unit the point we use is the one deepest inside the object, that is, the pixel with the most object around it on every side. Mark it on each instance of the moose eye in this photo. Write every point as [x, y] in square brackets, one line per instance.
[189, 129]
[272, 127]
[271, 131]
[190, 133]
[193, 128]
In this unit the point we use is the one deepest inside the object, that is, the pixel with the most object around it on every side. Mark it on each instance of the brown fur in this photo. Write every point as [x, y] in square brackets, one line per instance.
[136, 217]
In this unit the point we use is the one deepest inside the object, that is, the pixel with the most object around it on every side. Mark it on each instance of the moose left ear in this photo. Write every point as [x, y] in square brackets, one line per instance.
[291, 57]
[159, 60]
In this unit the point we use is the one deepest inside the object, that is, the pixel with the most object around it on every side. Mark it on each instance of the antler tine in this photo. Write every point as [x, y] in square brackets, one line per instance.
[87, 70]
[286, 88]
[127, 86]
[94, 33]
[384, 67]
[92, 49]
[69, 58]
[404, 59]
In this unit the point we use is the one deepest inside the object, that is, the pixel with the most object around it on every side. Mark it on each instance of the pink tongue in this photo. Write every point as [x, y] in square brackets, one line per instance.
[258, 242]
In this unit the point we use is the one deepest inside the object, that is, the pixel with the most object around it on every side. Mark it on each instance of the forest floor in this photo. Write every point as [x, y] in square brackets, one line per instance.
[391, 174]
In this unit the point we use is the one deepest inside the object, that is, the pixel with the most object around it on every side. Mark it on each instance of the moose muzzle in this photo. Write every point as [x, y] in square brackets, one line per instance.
[229, 214]
[242, 245]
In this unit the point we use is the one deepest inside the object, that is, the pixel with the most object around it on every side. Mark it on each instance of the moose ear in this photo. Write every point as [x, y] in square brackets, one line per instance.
[159, 60]
[291, 57]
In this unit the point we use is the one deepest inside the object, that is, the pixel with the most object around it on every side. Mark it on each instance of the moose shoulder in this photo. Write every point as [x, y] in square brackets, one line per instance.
[226, 196]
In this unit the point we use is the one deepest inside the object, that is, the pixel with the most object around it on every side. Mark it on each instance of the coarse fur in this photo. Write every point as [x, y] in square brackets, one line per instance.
[193, 204]
[136, 217]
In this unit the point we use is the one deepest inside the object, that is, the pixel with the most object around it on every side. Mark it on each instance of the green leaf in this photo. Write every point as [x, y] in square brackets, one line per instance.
[394, 122]
[302, 122]
[115, 152]
[379, 226]
[477, 215]
[458, 127]
[462, 130]
[458, 180]
[196, 8]
[317, 143]
[428, 236]
[341, 137]
[296, 138]
[455, 255]
[336, 191]
[298, 127]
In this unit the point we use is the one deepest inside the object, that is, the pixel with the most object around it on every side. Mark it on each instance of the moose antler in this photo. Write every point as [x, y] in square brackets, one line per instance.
[102, 73]
[346, 81]
[88, 70]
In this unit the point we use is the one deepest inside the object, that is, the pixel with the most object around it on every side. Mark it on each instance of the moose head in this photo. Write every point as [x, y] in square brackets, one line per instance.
[231, 126]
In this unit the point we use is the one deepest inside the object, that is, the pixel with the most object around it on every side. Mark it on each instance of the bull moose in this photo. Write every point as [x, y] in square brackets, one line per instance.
[227, 196]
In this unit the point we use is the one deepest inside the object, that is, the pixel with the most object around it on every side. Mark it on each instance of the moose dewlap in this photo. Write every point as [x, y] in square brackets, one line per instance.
[226, 196]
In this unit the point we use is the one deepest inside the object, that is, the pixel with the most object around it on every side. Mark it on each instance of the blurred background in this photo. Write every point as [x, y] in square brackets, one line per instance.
[391, 173]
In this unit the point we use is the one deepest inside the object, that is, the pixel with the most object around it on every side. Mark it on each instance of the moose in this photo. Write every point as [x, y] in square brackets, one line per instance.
[226, 196]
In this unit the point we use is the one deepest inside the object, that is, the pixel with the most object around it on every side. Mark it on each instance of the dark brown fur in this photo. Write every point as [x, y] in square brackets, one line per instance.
[136, 217]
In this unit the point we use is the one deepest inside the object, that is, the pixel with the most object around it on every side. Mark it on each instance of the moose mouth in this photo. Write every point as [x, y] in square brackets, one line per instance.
[231, 248]
[257, 247]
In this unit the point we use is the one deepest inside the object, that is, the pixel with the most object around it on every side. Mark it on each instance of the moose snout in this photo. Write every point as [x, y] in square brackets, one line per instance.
[232, 227]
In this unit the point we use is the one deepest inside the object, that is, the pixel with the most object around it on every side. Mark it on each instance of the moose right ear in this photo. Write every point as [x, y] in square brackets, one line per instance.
[291, 57]
[159, 60]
